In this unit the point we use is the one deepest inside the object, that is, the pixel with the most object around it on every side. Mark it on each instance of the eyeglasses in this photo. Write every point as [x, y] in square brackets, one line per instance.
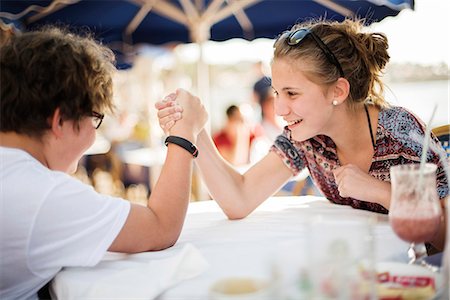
[97, 119]
[295, 37]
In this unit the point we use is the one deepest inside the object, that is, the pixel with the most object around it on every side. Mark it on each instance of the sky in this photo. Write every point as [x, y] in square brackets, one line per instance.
[421, 36]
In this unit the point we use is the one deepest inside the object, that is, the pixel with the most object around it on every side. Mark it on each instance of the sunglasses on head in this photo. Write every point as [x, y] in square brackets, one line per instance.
[294, 38]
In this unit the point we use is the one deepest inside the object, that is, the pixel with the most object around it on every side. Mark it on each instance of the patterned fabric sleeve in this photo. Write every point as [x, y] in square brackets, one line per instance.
[437, 155]
[292, 157]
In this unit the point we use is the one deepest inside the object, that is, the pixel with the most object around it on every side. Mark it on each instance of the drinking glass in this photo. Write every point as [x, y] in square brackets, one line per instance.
[243, 273]
[341, 258]
[335, 260]
[415, 211]
[445, 270]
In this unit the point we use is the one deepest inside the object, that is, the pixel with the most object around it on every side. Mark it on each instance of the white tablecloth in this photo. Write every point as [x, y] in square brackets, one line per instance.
[245, 247]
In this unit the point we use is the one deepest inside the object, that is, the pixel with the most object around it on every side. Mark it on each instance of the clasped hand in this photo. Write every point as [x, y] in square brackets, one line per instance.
[183, 107]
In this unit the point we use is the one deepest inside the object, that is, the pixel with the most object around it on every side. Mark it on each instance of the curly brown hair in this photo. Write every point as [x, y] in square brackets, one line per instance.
[363, 57]
[48, 69]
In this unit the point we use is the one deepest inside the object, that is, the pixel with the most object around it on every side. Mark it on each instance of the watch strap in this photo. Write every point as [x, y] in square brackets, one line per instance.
[182, 142]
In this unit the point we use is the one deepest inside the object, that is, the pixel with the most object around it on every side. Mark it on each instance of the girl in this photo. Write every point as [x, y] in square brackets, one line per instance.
[327, 85]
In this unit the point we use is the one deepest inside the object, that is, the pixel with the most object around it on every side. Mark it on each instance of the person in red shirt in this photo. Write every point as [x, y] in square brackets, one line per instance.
[235, 138]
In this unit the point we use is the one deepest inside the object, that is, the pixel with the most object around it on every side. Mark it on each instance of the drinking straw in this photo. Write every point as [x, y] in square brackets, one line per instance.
[425, 145]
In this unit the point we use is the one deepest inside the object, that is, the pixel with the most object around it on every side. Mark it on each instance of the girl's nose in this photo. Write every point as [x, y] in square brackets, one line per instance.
[281, 107]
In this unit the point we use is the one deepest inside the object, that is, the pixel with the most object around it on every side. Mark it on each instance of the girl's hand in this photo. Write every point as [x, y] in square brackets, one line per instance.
[353, 182]
[186, 125]
[169, 111]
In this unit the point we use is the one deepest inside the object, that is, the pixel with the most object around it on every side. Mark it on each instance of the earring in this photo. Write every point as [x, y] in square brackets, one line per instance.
[335, 102]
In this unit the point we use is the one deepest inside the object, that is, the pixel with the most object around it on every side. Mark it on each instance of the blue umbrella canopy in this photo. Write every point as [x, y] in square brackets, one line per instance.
[163, 21]
[159, 22]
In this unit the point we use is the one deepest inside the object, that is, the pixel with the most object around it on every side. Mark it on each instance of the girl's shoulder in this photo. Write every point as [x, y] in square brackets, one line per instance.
[400, 122]
[401, 131]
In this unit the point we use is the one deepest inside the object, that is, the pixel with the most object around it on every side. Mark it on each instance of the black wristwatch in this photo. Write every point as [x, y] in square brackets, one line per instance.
[182, 142]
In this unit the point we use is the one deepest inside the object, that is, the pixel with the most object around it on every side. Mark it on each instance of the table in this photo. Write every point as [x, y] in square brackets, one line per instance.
[245, 247]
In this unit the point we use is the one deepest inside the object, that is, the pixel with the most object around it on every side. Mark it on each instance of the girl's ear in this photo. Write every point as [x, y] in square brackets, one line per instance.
[57, 123]
[341, 90]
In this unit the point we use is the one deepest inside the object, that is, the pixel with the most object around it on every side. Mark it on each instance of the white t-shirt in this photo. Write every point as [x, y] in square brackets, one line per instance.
[49, 220]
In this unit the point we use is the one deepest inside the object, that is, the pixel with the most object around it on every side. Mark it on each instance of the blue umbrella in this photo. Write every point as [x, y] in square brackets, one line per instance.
[181, 21]
[163, 21]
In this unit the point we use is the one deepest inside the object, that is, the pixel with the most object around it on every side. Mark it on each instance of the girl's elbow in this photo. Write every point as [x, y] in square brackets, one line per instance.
[236, 215]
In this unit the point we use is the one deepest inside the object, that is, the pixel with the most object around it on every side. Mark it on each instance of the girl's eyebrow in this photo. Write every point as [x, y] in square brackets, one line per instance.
[286, 88]
[289, 88]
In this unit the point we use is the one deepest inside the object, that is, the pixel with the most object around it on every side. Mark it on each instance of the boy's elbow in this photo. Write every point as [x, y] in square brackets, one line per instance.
[167, 239]
[163, 245]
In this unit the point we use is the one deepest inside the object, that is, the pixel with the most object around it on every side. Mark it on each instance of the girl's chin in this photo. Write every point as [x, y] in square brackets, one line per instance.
[299, 137]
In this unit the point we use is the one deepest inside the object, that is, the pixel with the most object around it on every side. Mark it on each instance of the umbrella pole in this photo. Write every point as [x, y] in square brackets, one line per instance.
[200, 190]
[203, 83]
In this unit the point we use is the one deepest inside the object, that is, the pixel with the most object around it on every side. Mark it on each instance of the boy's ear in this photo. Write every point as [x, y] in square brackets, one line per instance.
[57, 123]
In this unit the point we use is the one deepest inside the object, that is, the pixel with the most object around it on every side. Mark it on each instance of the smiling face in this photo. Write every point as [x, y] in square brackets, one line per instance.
[304, 105]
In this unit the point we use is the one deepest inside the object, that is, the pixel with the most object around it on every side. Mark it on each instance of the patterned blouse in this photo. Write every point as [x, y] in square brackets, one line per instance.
[395, 145]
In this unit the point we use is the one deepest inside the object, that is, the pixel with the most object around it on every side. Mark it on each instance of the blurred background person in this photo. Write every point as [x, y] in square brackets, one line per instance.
[269, 125]
[234, 139]
[270, 122]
